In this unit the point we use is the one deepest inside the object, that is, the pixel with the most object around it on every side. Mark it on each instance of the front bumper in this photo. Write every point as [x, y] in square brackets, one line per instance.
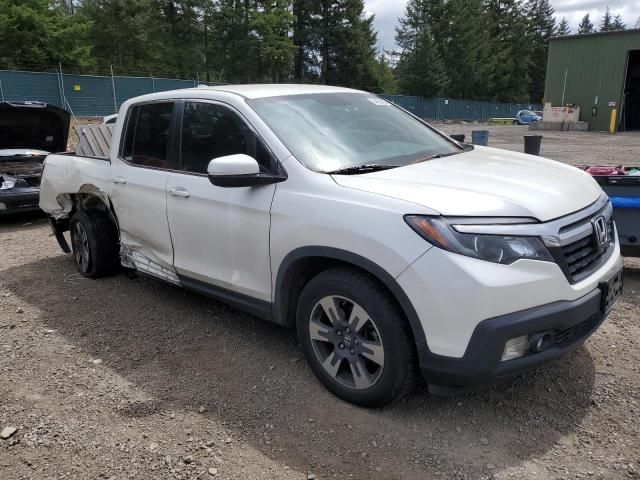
[19, 202]
[572, 321]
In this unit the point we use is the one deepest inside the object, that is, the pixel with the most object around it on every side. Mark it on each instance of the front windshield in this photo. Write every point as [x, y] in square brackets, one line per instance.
[334, 131]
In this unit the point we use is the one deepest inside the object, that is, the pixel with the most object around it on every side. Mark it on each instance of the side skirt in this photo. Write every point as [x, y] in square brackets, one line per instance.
[254, 306]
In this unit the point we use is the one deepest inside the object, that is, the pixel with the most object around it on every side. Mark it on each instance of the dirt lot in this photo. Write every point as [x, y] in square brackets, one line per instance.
[131, 378]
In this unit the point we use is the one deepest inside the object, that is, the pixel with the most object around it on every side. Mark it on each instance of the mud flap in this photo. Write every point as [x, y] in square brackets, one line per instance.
[59, 227]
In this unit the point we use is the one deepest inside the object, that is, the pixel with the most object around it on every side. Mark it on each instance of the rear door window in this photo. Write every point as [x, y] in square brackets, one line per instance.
[146, 140]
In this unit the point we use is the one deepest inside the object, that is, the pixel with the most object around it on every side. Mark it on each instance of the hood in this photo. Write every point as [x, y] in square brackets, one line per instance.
[485, 182]
[33, 125]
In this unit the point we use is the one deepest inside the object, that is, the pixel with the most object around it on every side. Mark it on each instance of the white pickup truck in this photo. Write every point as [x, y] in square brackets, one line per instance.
[389, 247]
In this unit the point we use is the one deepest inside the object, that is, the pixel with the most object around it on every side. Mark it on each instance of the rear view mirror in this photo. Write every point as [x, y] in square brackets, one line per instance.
[239, 170]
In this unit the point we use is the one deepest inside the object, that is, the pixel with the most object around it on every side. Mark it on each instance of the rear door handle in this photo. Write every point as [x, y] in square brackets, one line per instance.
[179, 192]
[119, 179]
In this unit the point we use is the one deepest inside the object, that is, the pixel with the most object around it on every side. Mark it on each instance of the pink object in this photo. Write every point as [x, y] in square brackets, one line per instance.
[605, 171]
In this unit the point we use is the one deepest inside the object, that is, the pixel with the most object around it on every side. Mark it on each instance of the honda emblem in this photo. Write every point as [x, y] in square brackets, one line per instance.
[600, 230]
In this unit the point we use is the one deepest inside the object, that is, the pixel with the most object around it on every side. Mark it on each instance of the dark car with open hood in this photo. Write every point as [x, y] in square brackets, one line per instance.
[29, 131]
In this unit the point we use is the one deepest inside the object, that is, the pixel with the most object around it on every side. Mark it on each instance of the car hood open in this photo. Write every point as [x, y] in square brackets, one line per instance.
[33, 125]
[485, 182]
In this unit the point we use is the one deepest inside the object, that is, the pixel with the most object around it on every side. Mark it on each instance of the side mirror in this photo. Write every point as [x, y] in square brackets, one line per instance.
[239, 170]
[233, 171]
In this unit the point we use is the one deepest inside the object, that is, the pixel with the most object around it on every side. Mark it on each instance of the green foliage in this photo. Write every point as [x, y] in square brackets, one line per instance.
[474, 49]
[509, 30]
[585, 25]
[33, 35]
[607, 21]
[468, 51]
[564, 28]
[618, 24]
[420, 69]
[541, 27]
[126, 34]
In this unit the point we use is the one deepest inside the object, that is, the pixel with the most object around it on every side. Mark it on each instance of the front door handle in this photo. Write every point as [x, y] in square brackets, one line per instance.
[179, 192]
[119, 179]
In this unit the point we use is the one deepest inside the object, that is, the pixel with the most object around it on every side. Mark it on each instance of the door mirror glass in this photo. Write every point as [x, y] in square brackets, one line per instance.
[237, 170]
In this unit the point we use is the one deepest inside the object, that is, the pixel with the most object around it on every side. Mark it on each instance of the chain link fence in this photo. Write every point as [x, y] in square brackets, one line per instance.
[97, 96]
[454, 109]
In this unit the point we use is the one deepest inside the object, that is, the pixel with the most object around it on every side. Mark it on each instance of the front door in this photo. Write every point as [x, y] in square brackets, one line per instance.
[220, 235]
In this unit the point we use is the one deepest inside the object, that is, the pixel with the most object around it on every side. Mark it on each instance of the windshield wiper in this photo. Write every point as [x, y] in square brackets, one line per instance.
[437, 155]
[368, 168]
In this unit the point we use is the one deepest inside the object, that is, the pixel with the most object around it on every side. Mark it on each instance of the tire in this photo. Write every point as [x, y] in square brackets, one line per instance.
[94, 241]
[341, 341]
[516, 122]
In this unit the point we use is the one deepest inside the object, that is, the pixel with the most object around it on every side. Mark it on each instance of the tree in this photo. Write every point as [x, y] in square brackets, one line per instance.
[35, 35]
[508, 29]
[275, 47]
[607, 23]
[127, 34]
[466, 50]
[386, 78]
[585, 25]
[541, 27]
[564, 28]
[420, 69]
[618, 24]
[335, 43]
[638, 23]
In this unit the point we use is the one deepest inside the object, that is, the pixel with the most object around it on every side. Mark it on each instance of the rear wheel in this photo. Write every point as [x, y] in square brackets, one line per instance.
[94, 241]
[355, 338]
[516, 122]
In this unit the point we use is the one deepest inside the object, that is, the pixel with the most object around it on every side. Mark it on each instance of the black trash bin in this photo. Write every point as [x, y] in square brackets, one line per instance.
[458, 137]
[532, 144]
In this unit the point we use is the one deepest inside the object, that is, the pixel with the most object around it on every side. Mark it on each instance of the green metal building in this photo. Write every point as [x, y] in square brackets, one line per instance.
[598, 72]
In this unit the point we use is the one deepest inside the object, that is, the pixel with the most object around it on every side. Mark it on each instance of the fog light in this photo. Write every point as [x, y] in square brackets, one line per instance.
[515, 348]
[2, 206]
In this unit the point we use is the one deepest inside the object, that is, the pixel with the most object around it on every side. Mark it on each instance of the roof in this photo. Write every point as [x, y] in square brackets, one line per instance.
[275, 90]
[243, 91]
[596, 34]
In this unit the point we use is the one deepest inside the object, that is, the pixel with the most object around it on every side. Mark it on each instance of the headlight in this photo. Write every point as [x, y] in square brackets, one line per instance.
[7, 184]
[493, 248]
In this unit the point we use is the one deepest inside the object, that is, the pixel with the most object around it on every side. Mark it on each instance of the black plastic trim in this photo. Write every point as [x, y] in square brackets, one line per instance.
[281, 307]
[254, 306]
[481, 363]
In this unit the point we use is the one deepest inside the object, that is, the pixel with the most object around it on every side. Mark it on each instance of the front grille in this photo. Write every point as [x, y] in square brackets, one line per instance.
[572, 333]
[580, 258]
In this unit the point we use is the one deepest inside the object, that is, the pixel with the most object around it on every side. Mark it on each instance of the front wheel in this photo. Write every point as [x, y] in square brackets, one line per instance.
[355, 338]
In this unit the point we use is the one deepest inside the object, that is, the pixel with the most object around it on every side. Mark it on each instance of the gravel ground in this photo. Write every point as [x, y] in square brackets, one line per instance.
[575, 148]
[131, 378]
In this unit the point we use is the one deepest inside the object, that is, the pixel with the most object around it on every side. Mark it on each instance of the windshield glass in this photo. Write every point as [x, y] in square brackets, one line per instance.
[334, 131]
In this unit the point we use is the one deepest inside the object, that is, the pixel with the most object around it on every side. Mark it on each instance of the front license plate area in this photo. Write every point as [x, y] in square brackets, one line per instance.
[611, 291]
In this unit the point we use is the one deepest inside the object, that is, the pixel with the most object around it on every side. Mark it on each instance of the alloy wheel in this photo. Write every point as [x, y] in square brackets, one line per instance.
[81, 247]
[347, 342]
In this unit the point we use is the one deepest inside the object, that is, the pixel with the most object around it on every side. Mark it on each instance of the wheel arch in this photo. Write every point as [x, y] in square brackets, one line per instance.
[302, 264]
[87, 198]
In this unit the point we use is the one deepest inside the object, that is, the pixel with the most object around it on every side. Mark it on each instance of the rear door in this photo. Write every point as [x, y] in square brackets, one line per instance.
[138, 187]
[220, 235]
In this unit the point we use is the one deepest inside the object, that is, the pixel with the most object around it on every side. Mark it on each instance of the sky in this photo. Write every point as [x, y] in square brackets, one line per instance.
[388, 11]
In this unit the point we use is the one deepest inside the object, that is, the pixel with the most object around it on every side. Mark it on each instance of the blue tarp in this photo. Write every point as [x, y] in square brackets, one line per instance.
[625, 202]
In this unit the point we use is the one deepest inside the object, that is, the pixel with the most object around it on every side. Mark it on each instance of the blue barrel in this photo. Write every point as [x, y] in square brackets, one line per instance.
[480, 137]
